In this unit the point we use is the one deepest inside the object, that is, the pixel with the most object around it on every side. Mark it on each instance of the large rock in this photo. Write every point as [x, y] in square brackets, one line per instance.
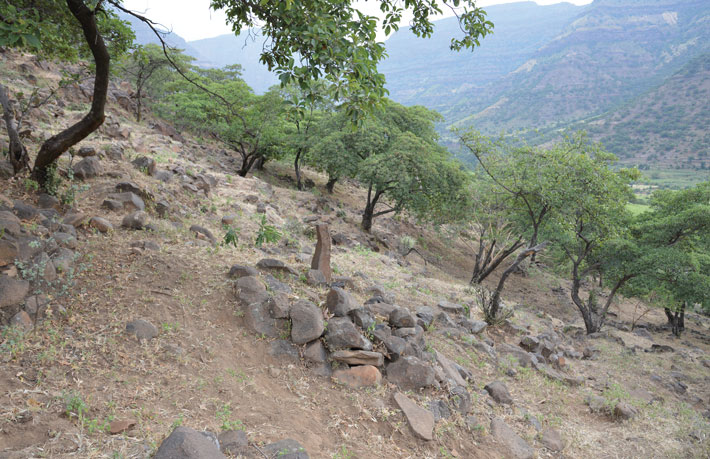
[410, 373]
[359, 358]
[315, 352]
[63, 259]
[450, 370]
[515, 446]
[85, 152]
[321, 257]
[203, 233]
[135, 220]
[343, 334]
[361, 376]
[141, 329]
[237, 271]
[306, 322]
[22, 320]
[145, 164]
[9, 223]
[12, 291]
[499, 392]
[24, 211]
[271, 264]
[420, 420]
[402, 318]
[286, 449]
[186, 443]
[552, 440]
[259, 320]
[8, 252]
[129, 201]
[453, 308]
[234, 442]
[250, 289]
[339, 302]
[88, 168]
[101, 224]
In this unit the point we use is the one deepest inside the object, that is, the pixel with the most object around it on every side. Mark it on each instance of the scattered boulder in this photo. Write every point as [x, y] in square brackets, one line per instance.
[85, 152]
[237, 271]
[24, 211]
[186, 443]
[315, 352]
[101, 224]
[10, 224]
[315, 277]
[135, 220]
[9, 251]
[65, 240]
[228, 219]
[515, 446]
[362, 318]
[402, 318]
[145, 164]
[75, 219]
[22, 320]
[439, 409]
[552, 440]
[12, 291]
[142, 329]
[342, 334]
[63, 259]
[47, 201]
[271, 264]
[306, 322]
[473, 326]
[279, 306]
[395, 346]
[88, 168]
[420, 420]
[162, 207]
[410, 373]
[450, 370]
[339, 302]
[285, 449]
[234, 442]
[450, 307]
[624, 410]
[360, 376]
[499, 392]
[284, 348]
[660, 348]
[259, 320]
[529, 343]
[203, 233]
[461, 399]
[114, 152]
[250, 289]
[359, 358]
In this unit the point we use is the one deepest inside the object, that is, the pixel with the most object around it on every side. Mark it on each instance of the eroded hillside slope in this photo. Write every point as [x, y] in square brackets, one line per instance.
[139, 331]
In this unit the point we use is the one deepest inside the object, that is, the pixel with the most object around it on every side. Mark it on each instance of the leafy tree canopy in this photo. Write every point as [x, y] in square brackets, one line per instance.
[331, 39]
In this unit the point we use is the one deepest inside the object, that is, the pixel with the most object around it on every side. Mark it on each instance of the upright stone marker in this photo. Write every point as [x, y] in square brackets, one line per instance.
[321, 258]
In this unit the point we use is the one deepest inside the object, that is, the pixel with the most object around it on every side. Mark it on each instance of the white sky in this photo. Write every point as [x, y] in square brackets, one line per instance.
[193, 19]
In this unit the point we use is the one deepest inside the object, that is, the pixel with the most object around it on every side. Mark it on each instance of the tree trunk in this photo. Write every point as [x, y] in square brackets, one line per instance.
[18, 152]
[495, 299]
[369, 214]
[297, 169]
[331, 184]
[483, 270]
[678, 322]
[56, 145]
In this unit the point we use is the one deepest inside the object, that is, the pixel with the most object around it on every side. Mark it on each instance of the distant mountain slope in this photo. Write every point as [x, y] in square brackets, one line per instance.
[612, 52]
[425, 71]
[668, 125]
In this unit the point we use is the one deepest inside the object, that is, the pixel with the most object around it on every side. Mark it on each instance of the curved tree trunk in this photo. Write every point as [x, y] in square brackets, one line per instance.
[495, 299]
[18, 152]
[56, 145]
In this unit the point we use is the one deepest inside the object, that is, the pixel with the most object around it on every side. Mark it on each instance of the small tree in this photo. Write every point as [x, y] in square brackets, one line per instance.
[674, 240]
[149, 68]
[248, 124]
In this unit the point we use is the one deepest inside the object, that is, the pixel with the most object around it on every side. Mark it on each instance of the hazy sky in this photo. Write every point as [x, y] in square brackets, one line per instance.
[193, 19]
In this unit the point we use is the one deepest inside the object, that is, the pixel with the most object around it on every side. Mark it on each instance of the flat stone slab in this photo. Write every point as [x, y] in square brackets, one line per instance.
[420, 420]
[359, 358]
